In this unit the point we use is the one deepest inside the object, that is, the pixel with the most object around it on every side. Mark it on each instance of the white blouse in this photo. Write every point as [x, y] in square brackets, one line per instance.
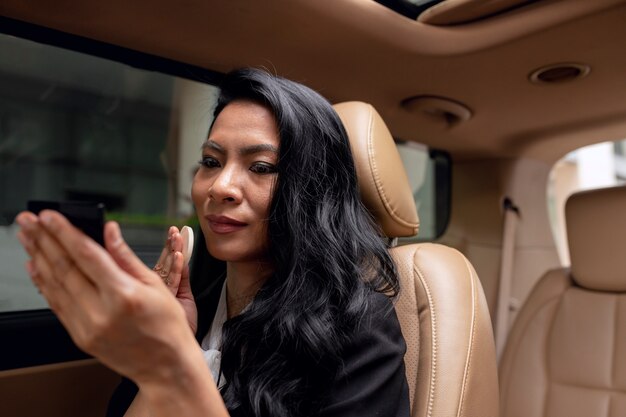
[212, 342]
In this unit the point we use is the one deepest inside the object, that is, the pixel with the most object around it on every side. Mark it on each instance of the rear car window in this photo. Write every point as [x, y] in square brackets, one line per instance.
[595, 166]
[429, 174]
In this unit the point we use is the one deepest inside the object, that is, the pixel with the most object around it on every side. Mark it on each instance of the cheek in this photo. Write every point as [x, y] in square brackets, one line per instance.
[197, 192]
[262, 200]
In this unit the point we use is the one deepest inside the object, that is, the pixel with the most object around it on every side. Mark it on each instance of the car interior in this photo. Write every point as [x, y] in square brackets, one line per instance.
[450, 360]
[476, 116]
[564, 356]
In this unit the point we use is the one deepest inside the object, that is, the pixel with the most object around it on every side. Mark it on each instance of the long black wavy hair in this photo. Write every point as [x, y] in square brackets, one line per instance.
[279, 357]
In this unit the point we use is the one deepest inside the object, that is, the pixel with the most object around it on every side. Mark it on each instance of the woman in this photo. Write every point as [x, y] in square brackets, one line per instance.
[307, 329]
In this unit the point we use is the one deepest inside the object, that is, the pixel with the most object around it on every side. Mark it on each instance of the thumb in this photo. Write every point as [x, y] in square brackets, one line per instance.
[184, 288]
[121, 253]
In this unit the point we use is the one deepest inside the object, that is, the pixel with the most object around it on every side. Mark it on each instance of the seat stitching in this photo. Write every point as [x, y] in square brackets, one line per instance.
[374, 171]
[433, 331]
[470, 348]
[547, 350]
[413, 393]
[615, 341]
[577, 386]
[506, 385]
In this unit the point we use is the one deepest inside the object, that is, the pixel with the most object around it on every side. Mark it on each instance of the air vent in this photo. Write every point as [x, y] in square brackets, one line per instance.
[438, 111]
[558, 73]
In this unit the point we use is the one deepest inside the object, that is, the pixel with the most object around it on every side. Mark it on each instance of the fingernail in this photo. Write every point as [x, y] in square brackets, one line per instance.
[117, 235]
[46, 218]
[22, 220]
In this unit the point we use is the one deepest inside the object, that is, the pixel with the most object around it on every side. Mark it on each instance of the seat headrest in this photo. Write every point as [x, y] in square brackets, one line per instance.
[385, 188]
[596, 233]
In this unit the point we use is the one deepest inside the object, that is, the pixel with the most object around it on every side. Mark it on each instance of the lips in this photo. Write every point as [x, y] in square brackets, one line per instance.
[223, 224]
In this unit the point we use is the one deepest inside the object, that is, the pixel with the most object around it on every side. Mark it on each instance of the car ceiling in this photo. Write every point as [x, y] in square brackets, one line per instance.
[360, 50]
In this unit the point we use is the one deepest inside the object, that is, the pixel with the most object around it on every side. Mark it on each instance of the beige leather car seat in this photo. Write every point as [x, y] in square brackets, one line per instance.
[566, 353]
[450, 360]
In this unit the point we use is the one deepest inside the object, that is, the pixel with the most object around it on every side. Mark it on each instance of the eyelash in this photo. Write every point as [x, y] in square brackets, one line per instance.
[208, 162]
[269, 168]
[265, 168]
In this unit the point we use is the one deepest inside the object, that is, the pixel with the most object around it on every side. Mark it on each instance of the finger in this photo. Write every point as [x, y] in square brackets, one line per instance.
[51, 269]
[33, 273]
[164, 263]
[175, 273]
[91, 258]
[41, 275]
[121, 253]
[26, 217]
[72, 295]
[163, 257]
[176, 241]
[60, 265]
[184, 288]
[29, 224]
[167, 249]
[171, 273]
[27, 242]
[66, 275]
[70, 310]
[166, 268]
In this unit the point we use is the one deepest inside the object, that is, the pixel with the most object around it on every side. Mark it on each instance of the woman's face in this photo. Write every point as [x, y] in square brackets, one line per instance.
[232, 190]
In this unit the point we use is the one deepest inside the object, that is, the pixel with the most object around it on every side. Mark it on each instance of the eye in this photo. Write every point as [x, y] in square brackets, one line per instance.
[263, 168]
[209, 162]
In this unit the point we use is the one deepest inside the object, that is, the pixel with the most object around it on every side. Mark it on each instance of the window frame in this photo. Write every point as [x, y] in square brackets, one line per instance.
[442, 165]
[25, 332]
[133, 58]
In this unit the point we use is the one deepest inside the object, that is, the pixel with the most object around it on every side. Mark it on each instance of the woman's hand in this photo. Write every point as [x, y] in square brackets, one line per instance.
[112, 305]
[177, 283]
[118, 310]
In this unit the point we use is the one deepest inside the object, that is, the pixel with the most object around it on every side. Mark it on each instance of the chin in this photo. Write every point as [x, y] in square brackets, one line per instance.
[234, 253]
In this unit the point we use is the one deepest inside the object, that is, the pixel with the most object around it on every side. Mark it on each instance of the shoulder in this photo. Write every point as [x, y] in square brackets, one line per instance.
[380, 307]
[372, 380]
[377, 334]
[379, 325]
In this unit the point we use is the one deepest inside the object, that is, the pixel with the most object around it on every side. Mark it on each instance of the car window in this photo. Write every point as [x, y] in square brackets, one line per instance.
[78, 127]
[594, 166]
[428, 172]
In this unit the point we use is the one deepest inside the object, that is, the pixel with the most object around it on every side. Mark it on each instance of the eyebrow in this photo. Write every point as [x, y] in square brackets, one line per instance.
[247, 150]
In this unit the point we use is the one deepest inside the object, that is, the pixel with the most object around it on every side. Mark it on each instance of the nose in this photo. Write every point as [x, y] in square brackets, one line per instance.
[226, 187]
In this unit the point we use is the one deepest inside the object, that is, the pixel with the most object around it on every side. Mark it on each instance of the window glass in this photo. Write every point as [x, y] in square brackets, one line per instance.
[78, 127]
[429, 176]
[594, 166]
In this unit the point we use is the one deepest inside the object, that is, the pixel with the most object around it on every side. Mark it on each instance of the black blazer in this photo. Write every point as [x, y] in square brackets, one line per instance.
[372, 381]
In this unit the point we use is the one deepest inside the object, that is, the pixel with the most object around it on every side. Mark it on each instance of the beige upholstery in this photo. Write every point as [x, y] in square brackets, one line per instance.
[385, 188]
[596, 222]
[450, 359]
[566, 353]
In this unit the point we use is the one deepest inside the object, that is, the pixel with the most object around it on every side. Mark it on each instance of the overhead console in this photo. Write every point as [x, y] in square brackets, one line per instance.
[455, 12]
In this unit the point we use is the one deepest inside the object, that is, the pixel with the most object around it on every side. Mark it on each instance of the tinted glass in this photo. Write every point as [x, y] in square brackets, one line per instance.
[429, 175]
[594, 166]
[81, 128]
